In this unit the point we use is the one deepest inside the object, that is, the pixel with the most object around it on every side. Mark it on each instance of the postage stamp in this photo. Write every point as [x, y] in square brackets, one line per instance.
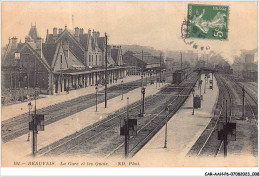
[207, 21]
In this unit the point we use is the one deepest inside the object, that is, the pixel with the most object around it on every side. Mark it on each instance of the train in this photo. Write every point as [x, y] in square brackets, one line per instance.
[179, 75]
[225, 69]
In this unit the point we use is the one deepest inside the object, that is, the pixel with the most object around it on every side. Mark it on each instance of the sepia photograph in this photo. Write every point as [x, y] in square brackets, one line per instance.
[129, 84]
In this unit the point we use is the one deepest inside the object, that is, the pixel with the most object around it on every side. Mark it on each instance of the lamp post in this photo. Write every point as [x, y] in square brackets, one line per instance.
[143, 94]
[156, 78]
[165, 135]
[96, 96]
[29, 108]
[193, 91]
[200, 90]
[205, 84]
[165, 139]
[150, 73]
[122, 83]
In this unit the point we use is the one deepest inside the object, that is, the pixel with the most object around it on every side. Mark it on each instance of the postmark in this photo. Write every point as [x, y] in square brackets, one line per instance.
[207, 21]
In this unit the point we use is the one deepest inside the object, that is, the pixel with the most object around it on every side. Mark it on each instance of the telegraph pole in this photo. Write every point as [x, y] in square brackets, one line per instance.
[142, 71]
[34, 118]
[207, 60]
[126, 130]
[205, 84]
[181, 60]
[143, 93]
[212, 80]
[243, 109]
[142, 86]
[160, 69]
[225, 135]
[142, 63]
[106, 72]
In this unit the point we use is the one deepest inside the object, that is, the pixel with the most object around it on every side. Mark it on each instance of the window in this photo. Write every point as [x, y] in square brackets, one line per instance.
[89, 60]
[96, 60]
[100, 60]
[92, 60]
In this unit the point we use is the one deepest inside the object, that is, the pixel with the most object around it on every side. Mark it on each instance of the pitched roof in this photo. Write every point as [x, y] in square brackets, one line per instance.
[48, 50]
[35, 53]
[149, 59]
[114, 54]
[110, 61]
[83, 39]
[130, 59]
[8, 59]
[74, 45]
[101, 42]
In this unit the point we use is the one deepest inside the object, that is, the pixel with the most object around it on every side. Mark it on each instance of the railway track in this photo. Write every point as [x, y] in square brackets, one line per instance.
[146, 132]
[250, 100]
[208, 143]
[18, 126]
[102, 138]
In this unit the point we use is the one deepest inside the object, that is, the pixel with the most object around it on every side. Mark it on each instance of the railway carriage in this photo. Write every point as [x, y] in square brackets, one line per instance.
[179, 75]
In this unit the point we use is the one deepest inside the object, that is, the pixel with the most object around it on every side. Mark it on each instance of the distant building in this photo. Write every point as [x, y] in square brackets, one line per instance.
[249, 58]
[245, 66]
[143, 61]
[67, 59]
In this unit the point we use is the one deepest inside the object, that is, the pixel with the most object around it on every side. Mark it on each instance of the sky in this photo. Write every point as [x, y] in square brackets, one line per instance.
[155, 24]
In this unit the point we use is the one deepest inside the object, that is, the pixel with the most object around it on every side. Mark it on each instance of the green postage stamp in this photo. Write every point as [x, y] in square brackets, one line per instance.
[207, 21]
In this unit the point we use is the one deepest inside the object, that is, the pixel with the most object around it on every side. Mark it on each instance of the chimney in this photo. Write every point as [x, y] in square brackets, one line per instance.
[60, 30]
[54, 32]
[77, 33]
[14, 43]
[39, 46]
[98, 34]
[81, 31]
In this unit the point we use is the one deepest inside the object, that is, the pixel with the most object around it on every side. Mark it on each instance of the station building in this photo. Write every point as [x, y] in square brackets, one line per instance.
[67, 59]
[143, 62]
